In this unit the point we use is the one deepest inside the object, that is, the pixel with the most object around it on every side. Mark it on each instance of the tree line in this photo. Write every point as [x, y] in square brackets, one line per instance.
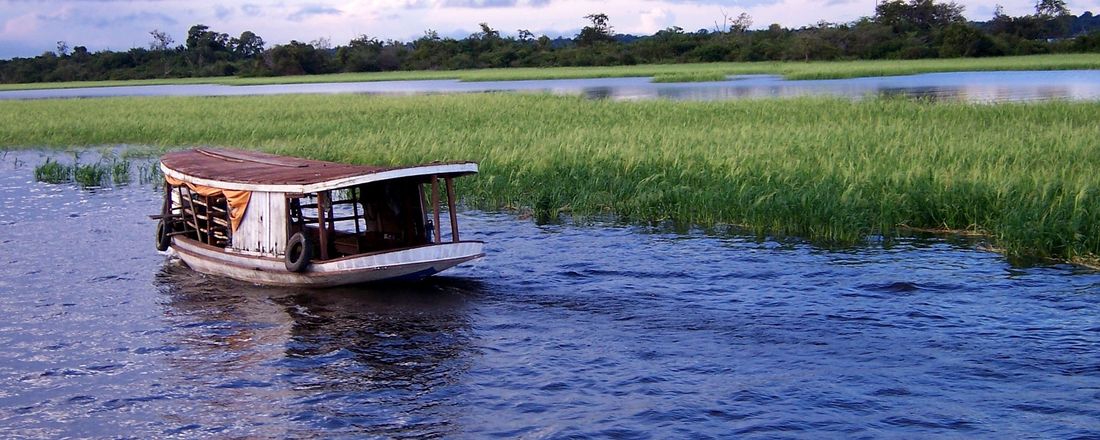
[898, 29]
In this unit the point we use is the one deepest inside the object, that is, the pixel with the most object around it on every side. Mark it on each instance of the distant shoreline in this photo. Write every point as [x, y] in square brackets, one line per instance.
[660, 72]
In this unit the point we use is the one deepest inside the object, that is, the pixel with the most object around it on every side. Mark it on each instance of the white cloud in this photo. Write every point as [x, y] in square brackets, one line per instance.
[16, 27]
[656, 19]
[28, 28]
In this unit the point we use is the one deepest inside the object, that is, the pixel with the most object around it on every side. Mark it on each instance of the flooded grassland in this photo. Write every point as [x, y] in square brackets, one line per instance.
[676, 269]
[834, 171]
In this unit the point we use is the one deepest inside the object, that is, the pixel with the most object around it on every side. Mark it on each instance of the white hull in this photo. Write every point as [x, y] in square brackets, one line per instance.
[414, 263]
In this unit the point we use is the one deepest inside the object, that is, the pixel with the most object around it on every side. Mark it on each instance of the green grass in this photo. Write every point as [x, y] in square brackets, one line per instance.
[689, 77]
[665, 72]
[831, 170]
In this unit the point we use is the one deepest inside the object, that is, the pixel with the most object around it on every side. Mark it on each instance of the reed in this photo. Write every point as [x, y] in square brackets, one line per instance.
[831, 170]
[91, 175]
[108, 169]
[666, 72]
[53, 171]
[120, 171]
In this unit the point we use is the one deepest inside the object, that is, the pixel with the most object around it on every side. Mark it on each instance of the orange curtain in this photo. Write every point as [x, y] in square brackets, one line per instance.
[238, 200]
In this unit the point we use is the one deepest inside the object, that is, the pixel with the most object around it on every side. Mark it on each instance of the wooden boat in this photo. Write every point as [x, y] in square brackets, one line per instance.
[287, 221]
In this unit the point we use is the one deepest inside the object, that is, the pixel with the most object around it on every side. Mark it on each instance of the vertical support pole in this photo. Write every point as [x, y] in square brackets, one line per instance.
[355, 197]
[209, 221]
[322, 227]
[166, 208]
[194, 215]
[451, 208]
[331, 215]
[228, 222]
[423, 211]
[435, 206]
[287, 223]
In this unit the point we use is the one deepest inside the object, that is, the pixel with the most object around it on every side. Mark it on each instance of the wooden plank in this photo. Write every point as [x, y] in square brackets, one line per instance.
[276, 221]
[322, 228]
[209, 225]
[248, 236]
[355, 196]
[331, 217]
[287, 216]
[190, 206]
[435, 207]
[451, 208]
[166, 207]
[259, 220]
[247, 156]
[423, 210]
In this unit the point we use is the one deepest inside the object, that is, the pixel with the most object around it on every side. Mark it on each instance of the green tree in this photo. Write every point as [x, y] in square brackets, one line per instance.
[247, 46]
[599, 31]
[1051, 8]
[204, 45]
[964, 40]
[918, 15]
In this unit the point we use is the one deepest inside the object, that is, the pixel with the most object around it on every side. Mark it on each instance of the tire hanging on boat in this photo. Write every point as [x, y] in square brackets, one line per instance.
[298, 253]
[163, 239]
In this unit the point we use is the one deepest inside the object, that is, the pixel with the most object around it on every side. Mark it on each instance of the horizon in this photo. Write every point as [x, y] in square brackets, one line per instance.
[31, 28]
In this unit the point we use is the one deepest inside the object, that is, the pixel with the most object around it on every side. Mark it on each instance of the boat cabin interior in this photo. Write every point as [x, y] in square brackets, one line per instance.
[372, 217]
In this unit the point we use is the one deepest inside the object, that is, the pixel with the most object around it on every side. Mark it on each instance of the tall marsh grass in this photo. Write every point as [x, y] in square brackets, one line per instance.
[832, 170]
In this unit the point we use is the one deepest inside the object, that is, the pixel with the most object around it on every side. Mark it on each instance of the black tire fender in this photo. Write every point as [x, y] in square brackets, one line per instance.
[163, 239]
[299, 251]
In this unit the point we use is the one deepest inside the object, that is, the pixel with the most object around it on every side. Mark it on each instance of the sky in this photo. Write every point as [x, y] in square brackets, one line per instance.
[32, 27]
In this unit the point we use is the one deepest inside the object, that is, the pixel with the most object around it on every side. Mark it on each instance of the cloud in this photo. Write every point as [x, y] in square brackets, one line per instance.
[19, 26]
[79, 18]
[142, 17]
[313, 10]
[223, 12]
[30, 27]
[494, 3]
[250, 9]
[656, 19]
[734, 3]
[472, 4]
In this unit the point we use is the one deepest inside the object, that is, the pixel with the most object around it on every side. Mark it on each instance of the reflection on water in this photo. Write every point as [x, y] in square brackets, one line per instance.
[393, 352]
[1080, 85]
[561, 331]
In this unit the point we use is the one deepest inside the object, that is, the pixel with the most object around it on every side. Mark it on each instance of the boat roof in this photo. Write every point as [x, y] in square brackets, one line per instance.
[254, 171]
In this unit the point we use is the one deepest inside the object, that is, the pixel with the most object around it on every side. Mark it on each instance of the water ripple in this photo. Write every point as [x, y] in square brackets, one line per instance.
[560, 332]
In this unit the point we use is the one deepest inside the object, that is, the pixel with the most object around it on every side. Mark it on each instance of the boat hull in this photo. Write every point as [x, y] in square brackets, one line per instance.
[405, 264]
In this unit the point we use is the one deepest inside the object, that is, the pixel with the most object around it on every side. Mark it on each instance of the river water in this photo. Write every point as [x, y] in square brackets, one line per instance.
[561, 331]
[1082, 85]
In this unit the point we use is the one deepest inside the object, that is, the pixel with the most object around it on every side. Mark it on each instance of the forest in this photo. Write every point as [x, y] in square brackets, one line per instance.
[897, 29]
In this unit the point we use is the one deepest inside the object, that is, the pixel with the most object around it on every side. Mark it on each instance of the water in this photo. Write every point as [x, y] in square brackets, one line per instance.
[561, 331]
[1080, 85]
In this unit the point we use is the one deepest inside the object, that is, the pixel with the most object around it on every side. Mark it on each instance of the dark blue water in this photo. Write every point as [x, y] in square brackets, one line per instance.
[561, 331]
[1079, 85]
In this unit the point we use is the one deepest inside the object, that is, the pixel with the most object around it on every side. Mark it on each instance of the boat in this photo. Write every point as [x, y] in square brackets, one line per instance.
[286, 221]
